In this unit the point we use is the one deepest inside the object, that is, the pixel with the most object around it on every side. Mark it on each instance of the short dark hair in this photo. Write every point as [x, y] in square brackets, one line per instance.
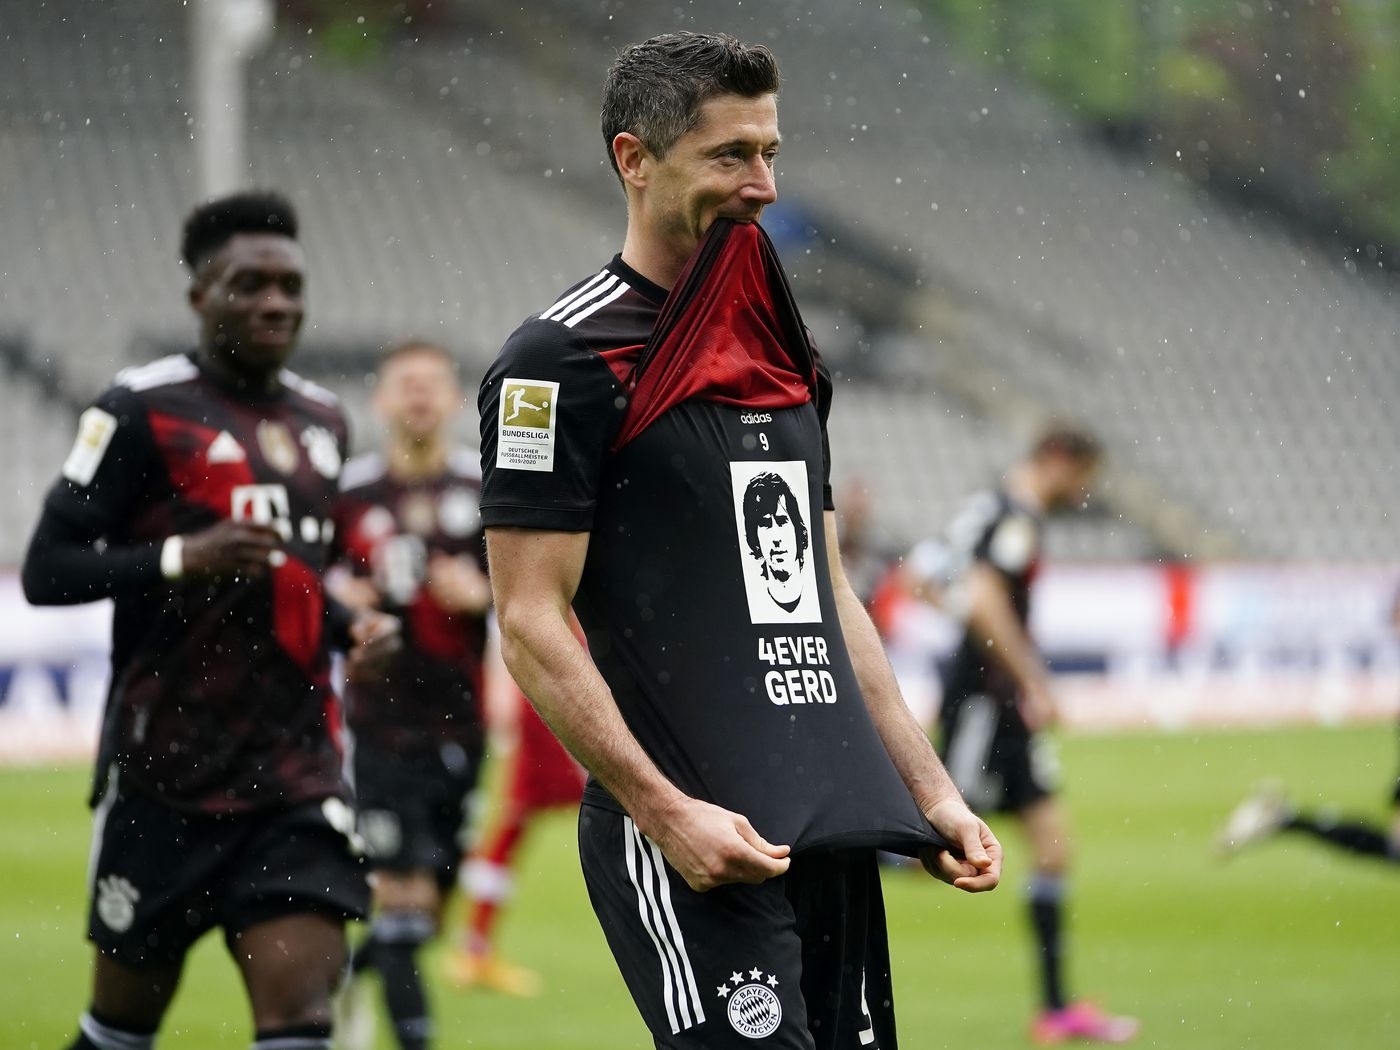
[416, 346]
[761, 500]
[211, 225]
[1069, 440]
[656, 88]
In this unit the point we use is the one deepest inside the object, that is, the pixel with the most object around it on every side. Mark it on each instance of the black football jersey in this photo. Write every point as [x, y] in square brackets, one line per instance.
[706, 596]
[220, 697]
[389, 531]
[992, 528]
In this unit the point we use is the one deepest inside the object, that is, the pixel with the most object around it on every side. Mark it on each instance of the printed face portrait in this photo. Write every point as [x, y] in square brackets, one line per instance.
[772, 514]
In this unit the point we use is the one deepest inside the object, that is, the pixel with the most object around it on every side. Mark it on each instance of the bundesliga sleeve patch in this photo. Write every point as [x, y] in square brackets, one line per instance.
[95, 430]
[526, 422]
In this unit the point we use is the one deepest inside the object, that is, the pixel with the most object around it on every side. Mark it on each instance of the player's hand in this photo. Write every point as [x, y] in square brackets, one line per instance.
[978, 868]
[709, 846]
[354, 592]
[457, 584]
[376, 640]
[1037, 706]
[232, 548]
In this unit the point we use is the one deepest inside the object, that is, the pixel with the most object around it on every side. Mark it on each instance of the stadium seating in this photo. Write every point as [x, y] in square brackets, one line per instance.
[1240, 377]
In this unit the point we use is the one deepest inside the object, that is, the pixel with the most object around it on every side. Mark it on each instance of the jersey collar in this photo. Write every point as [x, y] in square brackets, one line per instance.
[647, 289]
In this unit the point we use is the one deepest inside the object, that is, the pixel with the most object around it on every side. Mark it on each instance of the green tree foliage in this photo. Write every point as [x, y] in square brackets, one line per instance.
[1294, 101]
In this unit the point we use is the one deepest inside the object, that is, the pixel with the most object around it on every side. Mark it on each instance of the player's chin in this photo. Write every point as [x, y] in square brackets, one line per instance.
[265, 353]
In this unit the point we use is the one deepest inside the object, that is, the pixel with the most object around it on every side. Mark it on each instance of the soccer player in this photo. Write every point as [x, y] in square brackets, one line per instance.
[746, 761]
[411, 530]
[1269, 812]
[198, 496]
[997, 696]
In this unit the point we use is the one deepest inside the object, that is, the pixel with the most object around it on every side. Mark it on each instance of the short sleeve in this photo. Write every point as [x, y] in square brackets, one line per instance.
[971, 529]
[550, 408]
[113, 463]
[1011, 545]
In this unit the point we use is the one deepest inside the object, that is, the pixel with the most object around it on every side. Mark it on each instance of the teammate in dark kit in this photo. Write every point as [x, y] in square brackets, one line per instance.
[410, 526]
[997, 696]
[746, 762]
[198, 496]
[1269, 812]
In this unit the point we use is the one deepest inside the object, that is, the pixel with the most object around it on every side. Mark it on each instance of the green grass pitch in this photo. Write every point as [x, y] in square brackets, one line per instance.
[1288, 945]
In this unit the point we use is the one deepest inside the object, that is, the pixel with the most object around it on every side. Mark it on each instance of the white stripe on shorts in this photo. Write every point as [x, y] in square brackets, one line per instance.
[971, 746]
[647, 872]
[99, 826]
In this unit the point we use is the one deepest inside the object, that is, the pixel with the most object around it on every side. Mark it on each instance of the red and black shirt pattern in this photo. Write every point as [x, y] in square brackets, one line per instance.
[758, 712]
[220, 698]
[389, 530]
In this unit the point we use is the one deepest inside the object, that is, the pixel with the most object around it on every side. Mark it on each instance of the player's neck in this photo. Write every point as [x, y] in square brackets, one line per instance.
[413, 460]
[253, 384]
[1022, 487]
[650, 257]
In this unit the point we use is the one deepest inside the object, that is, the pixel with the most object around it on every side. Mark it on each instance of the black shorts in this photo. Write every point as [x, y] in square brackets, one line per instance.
[161, 878]
[413, 810]
[995, 761]
[800, 962]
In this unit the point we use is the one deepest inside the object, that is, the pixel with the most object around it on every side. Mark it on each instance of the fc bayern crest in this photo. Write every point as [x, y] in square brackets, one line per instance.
[754, 1008]
[116, 903]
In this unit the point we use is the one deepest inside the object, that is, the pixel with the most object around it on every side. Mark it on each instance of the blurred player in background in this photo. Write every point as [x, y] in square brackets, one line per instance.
[540, 776]
[997, 696]
[1269, 812]
[199, 496]
[410, 527]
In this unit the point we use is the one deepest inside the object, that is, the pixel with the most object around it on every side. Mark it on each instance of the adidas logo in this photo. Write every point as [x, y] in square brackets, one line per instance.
[225, 449]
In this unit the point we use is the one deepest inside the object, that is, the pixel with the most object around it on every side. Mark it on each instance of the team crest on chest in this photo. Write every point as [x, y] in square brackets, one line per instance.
[278, 448]
[754, 1009]
[459, 512]
[322, 450]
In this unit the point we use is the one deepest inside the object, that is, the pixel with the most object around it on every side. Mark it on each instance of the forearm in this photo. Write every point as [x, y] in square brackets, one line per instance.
[65, 567]
[905, 740]
[992, 619]
[552, 668]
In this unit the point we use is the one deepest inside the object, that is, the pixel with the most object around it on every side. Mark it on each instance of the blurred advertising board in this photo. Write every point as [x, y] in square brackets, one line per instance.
[1232, 644]
[1133, 646]
[53, 676]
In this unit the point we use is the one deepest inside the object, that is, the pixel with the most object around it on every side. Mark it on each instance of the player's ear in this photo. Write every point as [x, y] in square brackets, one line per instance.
[631, 157]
